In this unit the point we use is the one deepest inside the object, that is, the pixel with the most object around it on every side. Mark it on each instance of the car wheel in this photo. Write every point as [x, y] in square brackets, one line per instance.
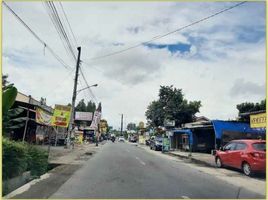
[218, 162]
[155, 148]
[247, 169]
[151, 147]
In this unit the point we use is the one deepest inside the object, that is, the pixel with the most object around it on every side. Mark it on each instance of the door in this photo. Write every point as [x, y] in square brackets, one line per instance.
[227, 151]
[236, 155]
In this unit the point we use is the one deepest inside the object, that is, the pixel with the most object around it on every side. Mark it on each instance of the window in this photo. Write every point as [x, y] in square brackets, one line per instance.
[240, 146]
[259, 146]
[230, 146]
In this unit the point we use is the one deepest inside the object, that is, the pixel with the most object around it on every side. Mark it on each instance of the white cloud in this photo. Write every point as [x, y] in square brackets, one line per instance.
[219, 55]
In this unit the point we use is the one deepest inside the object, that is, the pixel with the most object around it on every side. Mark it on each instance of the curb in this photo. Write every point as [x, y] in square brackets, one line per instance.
[197, 161]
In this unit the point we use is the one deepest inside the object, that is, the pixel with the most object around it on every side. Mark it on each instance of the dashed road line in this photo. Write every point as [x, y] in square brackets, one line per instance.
[185, 197]
[143, 163]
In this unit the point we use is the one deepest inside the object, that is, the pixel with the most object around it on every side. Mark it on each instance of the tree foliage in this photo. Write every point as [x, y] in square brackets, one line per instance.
[171, 105]
[83, 107]
[131, 126]
[10, 115]
[248, 107]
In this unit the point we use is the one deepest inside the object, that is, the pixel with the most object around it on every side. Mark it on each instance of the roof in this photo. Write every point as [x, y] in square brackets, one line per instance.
[253, 112]
[30, 100]
[221, 126]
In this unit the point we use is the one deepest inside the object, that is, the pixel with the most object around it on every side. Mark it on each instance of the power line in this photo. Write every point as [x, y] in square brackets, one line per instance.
[169, 33]
[68, 24]
[37, 37]
[90, 91]
[60, 28]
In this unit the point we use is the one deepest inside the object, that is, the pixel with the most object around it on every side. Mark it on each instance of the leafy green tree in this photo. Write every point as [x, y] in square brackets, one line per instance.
[171, 105]
[81, 106]
[10, 118]
[91, 106]
[248, 107]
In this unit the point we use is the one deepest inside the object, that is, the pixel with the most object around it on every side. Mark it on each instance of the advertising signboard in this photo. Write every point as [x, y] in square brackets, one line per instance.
[83, 116]
[96, 120]
[166, 144]
[258, 120]
[61, 116]
[43, 117]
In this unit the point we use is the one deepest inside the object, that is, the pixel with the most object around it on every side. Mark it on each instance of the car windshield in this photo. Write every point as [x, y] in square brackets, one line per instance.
[259, 146]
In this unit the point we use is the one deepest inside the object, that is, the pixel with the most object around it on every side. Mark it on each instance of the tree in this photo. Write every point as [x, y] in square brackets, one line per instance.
[91, 106]
[99, 107]
[81, 106]
[10, 115]
[171, 105]
[131, 126]
[248, 107]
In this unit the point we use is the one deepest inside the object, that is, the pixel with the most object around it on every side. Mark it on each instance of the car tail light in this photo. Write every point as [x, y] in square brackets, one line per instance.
[258, 155]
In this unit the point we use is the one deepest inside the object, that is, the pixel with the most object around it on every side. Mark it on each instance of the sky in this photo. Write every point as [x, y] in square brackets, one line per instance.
[220, 61]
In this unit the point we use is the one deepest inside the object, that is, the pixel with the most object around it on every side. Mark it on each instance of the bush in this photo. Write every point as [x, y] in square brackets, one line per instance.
[19, 157]
[38, 161]
[15, 158]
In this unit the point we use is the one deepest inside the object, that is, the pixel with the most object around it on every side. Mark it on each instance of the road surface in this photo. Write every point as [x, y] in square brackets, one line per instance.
[123, 170]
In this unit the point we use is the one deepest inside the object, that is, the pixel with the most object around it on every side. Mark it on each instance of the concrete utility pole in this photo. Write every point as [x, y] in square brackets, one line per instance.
[74, 98]
[122, 124]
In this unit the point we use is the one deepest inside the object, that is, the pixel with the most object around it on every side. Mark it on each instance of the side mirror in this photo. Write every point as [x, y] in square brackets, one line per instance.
[222, 149]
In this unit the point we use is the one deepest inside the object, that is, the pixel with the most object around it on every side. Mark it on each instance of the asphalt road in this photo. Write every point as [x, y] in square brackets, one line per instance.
[122, 170]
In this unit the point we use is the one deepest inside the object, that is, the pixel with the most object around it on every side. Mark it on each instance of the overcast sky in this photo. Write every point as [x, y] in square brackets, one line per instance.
[220, 62]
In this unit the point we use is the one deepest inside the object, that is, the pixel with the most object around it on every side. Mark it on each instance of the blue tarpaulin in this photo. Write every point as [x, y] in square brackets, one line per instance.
[220, 126]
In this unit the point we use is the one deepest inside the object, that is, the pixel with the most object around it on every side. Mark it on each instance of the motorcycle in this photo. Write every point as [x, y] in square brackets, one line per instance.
[113, 139]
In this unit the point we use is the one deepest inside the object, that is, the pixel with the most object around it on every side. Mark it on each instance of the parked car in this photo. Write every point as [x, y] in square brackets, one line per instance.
[247, 155]
[133, 139]
[156, 143]
[121, 139]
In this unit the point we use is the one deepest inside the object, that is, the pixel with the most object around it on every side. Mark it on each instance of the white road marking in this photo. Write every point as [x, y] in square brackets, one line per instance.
[185, 197]
[141, 162]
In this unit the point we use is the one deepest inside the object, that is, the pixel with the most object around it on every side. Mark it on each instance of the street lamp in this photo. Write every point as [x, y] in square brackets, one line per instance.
[95, 85]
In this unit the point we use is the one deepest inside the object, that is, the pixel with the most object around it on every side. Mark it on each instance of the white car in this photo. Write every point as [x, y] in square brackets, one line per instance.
[121, 139]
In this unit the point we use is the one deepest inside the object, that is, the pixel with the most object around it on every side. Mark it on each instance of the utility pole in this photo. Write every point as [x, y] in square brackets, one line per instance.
[122, 124]
[27, 120]
[74, 98]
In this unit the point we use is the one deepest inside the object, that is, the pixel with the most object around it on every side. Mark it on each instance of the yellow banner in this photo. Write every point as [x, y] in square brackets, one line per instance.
[258, 120]
[61, 116]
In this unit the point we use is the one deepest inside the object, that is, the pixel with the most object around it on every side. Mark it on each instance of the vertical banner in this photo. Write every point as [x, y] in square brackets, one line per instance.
[96, 120]
[61, 116]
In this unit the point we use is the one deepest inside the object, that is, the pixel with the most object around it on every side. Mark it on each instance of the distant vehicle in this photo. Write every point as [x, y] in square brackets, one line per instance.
[121, 139]
[156, 143]
[133, 139]
[247, 155]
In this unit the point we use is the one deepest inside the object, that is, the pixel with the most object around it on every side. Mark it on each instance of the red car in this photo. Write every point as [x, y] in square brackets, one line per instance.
[248, 155]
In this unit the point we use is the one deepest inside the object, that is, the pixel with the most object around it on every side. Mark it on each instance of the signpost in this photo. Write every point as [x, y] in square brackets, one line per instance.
[166, 144]
[258, 120]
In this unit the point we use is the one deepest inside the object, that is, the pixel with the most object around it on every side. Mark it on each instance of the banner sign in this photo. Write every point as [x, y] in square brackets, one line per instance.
[96, 120]
[43, 117]
[166, 145]
[258, 120]
[61, 116]
[83, 116]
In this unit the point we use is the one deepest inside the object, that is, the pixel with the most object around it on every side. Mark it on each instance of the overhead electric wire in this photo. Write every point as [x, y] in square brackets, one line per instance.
[37, 37]
[52, 18]
[68, 23]
[89, 89]
[60, 28]
[169, 33]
